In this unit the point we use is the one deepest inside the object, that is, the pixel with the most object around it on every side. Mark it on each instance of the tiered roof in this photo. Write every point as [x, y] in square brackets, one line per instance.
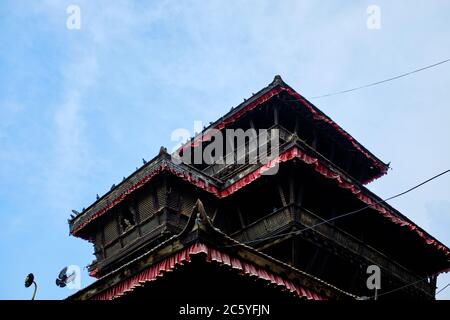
[294, 149]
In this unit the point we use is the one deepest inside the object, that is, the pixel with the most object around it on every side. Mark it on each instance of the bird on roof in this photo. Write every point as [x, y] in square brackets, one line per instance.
[98, 197]
[75, 212]
[144, 161]
[163, 150]
[113, 186]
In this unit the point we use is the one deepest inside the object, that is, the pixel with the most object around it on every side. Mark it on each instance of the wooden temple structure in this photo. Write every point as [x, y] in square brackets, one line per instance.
[229, 228]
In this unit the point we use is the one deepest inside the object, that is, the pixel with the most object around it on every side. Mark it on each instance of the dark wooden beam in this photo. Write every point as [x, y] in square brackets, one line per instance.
[282, 195]
[296, 253]
[213, 218]
[323, 264]
[241, 218]
[315, 141]
[312, 261]
[252, 124]
[291, 190]
[276, 113]
[297, 125]
[300, 193]
[332, 150]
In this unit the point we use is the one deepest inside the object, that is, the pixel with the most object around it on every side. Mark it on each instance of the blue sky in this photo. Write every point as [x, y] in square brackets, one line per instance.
[80, 108]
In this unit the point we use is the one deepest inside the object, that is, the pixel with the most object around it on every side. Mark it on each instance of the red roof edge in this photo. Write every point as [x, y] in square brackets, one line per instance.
[289, 154]
[275, 88]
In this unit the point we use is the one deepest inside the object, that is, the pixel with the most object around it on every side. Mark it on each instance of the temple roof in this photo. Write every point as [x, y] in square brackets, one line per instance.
[275, 89]
[199, 237]
[296, 149]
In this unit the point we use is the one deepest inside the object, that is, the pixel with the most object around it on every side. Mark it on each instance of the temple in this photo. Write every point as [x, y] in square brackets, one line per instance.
[262, 230]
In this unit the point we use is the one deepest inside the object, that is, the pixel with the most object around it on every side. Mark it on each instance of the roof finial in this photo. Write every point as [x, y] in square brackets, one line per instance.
[162, 150]
[277, 80]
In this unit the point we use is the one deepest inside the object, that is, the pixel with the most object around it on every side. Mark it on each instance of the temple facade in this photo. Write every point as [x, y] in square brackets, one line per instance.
[272, 229]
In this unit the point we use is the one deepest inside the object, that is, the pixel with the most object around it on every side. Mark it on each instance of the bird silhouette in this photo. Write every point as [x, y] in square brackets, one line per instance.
[63, 279]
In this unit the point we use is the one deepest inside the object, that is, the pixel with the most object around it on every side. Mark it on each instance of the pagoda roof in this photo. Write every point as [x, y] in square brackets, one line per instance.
[200, 238]
[162, 163]
[275, 89]
[296, 149]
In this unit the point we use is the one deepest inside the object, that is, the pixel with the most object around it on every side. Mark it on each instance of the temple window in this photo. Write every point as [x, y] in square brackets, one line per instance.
[127, 220]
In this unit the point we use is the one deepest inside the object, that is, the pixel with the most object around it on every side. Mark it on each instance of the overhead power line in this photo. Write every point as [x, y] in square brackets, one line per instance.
[411, 284]
[448, 284]
[382, 81]
[297, 232]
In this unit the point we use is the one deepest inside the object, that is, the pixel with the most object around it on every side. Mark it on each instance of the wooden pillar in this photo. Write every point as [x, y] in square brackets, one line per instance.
[348, 162]
[241, 218]
[332, 209]
[332, 151]
[300, 193]
[354, 278]
[312, 261]
[103, 242]
[323, 265]
[315, 139]
[252, 124]
[213, 218]
[297, 124]
[119, 228]
[299, 200]
[291, 190]
[296, 251]
[282, 195]
[292, 197]
[276, 113]
[137, 217]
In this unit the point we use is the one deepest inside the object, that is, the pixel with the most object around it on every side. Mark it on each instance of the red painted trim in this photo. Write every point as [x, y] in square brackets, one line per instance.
[233, 117]
[342, 182]
[212, 255]
[316, 116]
[94, 273]
[320, 117]
[163, 168]
[289, 154]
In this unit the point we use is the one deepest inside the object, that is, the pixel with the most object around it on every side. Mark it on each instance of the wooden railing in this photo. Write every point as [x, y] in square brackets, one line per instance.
[284, 218]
